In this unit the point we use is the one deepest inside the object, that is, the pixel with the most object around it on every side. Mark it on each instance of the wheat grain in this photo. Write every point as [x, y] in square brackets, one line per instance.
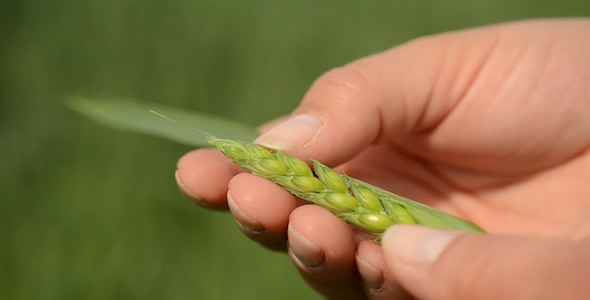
[365, 206]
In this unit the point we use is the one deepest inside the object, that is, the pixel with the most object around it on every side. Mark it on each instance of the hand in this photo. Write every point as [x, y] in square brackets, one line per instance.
[490, 124]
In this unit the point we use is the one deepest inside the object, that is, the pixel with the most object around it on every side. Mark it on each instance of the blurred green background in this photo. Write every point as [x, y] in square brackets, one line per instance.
[91, 213]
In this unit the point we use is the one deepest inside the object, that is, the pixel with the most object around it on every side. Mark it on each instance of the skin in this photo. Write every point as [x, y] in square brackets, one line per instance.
[491, 124]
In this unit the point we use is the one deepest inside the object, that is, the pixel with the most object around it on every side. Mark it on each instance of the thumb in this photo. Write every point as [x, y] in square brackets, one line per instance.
[380, 97]
[435, 264]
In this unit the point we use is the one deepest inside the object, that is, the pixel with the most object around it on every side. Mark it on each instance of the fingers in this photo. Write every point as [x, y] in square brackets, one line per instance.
[323, 249]
[322, 246]
[379, 282]
[408, 88]
[340, 115]
[203, 175]
[261, 209]
[470, 266]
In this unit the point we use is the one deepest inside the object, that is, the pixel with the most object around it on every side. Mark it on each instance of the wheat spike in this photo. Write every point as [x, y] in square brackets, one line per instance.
[365, 206]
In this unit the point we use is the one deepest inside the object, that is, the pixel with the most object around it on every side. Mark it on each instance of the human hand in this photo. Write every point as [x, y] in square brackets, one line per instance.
[490, 124]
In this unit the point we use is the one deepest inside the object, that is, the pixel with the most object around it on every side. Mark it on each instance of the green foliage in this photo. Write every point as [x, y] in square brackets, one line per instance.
[91, 213]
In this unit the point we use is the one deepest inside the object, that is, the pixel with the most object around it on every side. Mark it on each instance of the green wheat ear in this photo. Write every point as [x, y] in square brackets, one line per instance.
[365, 206]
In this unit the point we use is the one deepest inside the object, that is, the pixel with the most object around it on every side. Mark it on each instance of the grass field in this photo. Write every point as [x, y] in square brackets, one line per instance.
[91, 213]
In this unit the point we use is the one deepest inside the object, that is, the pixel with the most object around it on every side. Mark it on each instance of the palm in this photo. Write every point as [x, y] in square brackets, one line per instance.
[512, 154]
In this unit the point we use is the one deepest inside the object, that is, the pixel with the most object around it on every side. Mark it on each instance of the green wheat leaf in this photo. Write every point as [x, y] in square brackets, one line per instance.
[135, 116]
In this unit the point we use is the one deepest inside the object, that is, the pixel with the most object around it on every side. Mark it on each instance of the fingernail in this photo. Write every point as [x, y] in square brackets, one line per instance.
[183, 188]
[414, 246]
[296, 132]
[245, 222]
[372, 276]
[305, 251]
